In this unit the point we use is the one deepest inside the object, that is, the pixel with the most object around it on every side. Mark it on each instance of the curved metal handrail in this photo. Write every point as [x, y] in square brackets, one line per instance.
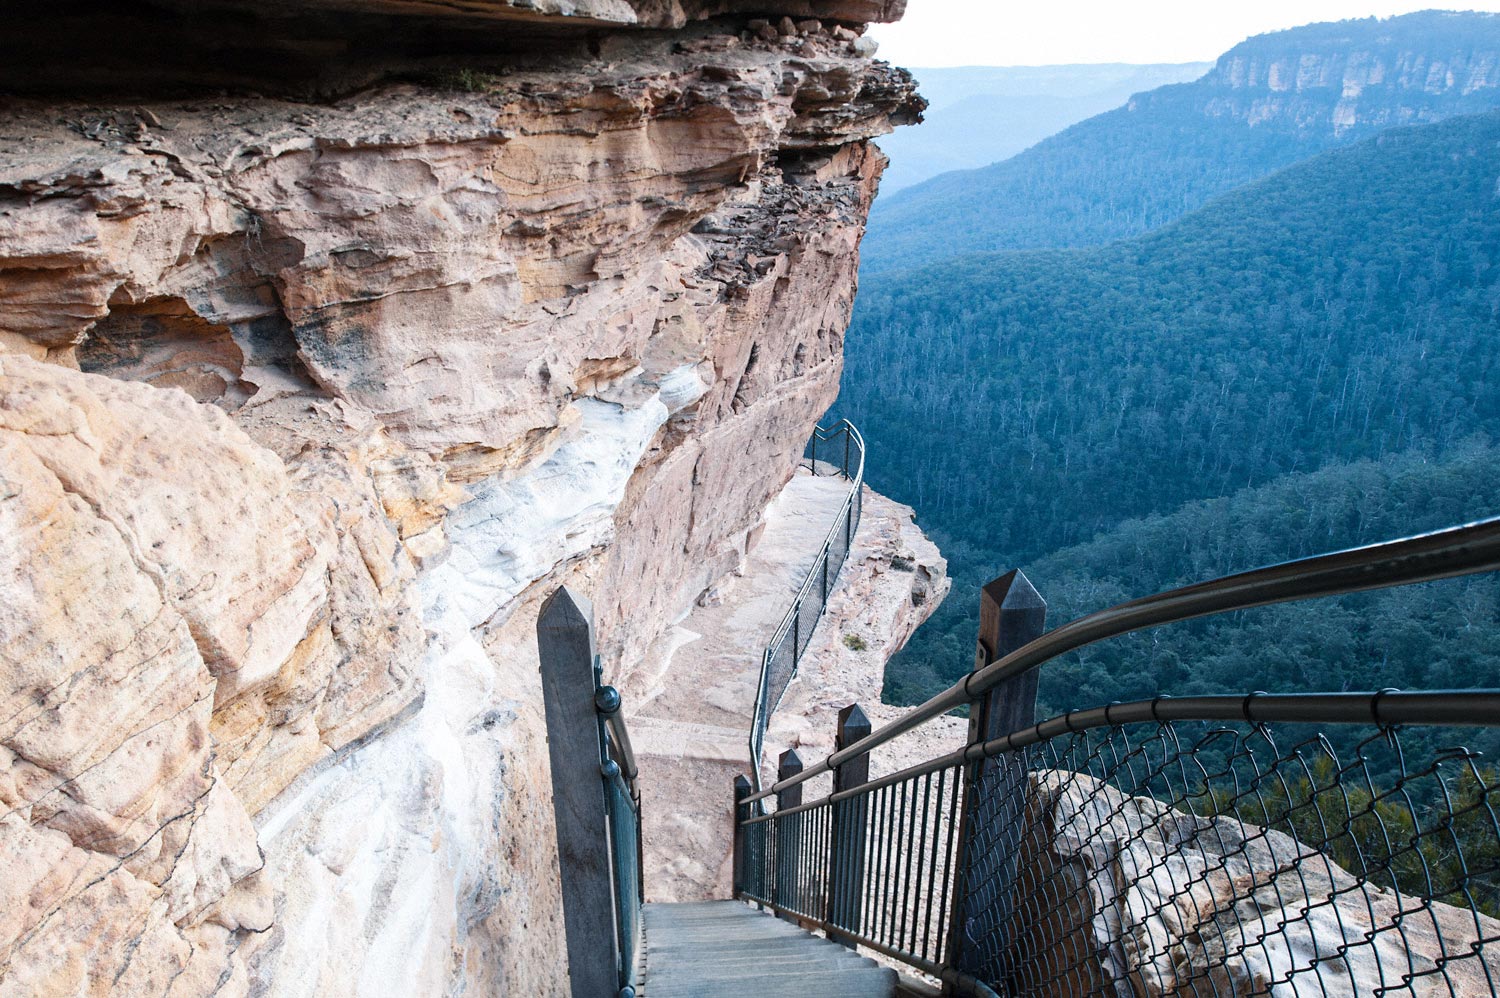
[856, 480]
[1463, 550]
[854, 446]
[1435, 708]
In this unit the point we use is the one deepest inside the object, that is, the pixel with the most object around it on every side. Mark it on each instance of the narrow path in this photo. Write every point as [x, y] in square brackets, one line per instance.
[689, 708]
[706, 669]
[726, 949]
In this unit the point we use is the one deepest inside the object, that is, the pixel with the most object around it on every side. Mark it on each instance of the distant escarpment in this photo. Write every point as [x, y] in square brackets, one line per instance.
[304, 406]
[1360, 75]
[1271, 101]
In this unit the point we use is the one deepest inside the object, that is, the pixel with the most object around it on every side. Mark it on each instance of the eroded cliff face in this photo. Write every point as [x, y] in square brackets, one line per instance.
[304, 407]
[1353, 77]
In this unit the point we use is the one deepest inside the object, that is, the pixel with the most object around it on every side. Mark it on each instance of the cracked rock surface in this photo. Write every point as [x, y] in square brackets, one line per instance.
[306, 405]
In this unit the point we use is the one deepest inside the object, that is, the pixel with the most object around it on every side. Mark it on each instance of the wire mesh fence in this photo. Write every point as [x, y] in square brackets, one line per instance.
[1253, 859]
[1165, 858]
[1331, 844]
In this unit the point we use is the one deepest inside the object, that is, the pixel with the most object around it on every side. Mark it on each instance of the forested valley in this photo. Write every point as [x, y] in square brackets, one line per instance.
[1270, 102]
[1307, 363]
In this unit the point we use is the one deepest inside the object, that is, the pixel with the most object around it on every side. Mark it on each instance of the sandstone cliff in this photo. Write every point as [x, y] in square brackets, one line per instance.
[304, 406]
[1359, 75]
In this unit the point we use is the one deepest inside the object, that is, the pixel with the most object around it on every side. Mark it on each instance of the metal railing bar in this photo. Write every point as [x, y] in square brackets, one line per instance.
[917, 893]
[1456, 551]
[1438, 708]
[1384, 708]
[948, 866]
[620, 738]
[806, 589]
[792, 619]
[607, 701]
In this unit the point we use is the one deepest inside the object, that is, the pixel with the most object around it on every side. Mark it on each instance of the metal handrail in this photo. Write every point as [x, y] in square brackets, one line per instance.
[1383, 708]
[1456, 551]
[607, 701]
[857, 479]
[854, 446]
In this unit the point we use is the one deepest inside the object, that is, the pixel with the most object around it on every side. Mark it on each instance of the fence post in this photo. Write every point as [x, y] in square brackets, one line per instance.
[1011, 614]
[787, 834]
[741, 815]
[565, 641]
[846, 861]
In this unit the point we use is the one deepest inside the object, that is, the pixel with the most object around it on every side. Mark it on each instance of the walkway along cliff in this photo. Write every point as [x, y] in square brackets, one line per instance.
[1228, 844]
[333, 337]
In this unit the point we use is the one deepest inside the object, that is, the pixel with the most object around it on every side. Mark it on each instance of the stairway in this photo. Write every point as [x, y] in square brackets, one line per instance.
[726, 949]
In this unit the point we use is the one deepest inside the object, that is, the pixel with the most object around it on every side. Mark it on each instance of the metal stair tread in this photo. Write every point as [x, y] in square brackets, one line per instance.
[724, 948]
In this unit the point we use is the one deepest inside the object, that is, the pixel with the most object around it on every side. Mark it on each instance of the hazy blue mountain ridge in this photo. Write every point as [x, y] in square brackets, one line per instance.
[1270, 102]
[1345, 309]
[979, 115]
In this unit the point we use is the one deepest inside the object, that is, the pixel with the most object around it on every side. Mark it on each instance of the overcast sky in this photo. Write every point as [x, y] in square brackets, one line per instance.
[1046, 32]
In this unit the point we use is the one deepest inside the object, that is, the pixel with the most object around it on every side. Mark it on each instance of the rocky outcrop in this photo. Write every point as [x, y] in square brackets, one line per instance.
[1360, 75]
[327, 48]
[303, 409]
[1130, 890]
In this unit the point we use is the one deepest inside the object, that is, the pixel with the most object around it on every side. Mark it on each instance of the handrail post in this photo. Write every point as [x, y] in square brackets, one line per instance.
[1011, 615]
[741, 815]
[846, 846]
[575, 747]
[787, 834]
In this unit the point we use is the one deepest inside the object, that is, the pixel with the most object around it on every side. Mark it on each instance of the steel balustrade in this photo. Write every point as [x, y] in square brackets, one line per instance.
[836, 451]
[1316, 838]
[623, 817]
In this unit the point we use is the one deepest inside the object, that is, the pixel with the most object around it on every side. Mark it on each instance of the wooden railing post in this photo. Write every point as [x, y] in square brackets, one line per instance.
[846, 861]
[1011, 614]
[786, 834]
[565, 640]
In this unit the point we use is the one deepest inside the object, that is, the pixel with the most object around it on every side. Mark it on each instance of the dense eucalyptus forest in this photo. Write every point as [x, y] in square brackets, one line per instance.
[1306, 363]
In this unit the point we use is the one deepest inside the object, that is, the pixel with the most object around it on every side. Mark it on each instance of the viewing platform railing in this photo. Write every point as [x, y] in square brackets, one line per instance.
[1304, 844]
[836, 451]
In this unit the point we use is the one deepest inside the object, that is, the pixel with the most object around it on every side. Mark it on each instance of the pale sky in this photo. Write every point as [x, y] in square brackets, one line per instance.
[1046, 32]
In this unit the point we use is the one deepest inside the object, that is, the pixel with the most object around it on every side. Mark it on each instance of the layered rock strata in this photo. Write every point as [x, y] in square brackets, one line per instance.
[1173, 904]
[304, 407]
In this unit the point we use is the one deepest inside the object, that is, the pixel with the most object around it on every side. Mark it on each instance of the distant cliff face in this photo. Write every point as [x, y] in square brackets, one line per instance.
[1357, 75]
[1268, 103]
[303, 409]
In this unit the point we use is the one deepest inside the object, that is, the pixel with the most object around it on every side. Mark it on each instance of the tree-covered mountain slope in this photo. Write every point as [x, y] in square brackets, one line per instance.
[978, 115]
[1346, 308]
[1271, 101]
[1433, 636]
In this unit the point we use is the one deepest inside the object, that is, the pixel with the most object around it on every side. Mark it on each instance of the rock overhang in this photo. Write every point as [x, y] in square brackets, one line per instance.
[315, 49]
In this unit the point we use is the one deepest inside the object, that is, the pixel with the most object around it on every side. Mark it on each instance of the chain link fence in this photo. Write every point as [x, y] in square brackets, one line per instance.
[1251, 859]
